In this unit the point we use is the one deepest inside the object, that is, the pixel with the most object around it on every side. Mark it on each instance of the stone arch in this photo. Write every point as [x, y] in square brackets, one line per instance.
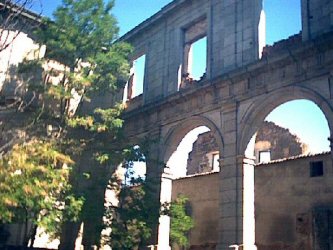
[178, 132]
[258, 111]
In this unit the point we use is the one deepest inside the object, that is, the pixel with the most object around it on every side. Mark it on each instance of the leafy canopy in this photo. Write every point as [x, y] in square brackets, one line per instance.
[34, 181]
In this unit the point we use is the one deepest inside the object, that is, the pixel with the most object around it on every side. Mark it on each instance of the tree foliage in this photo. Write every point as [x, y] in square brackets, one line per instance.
[131, 219]
[181, 222]
[128, 218]
[82, 60]
[34, 187]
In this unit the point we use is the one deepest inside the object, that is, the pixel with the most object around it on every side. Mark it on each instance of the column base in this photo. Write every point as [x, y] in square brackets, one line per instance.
[235, 247]
[158, 247]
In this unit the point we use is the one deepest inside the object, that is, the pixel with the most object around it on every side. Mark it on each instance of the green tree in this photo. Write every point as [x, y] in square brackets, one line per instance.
[129, 218]
[181, 222]
[34, 188]
[80, 40]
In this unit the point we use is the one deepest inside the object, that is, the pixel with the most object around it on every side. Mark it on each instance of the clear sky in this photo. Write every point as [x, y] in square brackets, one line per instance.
[282, 16]
[129, 13]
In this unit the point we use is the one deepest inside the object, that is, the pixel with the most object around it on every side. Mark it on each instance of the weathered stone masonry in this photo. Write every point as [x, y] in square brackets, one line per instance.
[237, 93]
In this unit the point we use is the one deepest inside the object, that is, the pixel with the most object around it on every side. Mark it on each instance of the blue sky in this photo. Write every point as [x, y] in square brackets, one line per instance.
[283, 16]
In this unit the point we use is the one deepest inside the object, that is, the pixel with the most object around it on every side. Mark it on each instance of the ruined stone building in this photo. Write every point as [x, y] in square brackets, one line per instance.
[292, 204]
[245, 202]
[237, 91]
[287, 205]
[272, 142]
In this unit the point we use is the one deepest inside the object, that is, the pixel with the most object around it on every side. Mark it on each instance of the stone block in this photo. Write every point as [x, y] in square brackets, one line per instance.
[228, 196]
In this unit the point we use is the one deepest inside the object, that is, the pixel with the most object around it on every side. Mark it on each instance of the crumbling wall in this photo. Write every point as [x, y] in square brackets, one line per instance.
[291, 206]
[231, 28]
[270, 137]
[198, 161]
[279, 141]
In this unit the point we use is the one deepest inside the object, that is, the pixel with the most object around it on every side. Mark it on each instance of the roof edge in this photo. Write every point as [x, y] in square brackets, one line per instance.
[23, 12]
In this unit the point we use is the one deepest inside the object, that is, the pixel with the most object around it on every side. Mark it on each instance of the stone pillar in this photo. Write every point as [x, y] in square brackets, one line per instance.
[236, 218]
[93, 191]
[159, 190]
[93, 211]
[248, 204]
[164, 220]
[69, 233]
[237, 221]
[231, 183]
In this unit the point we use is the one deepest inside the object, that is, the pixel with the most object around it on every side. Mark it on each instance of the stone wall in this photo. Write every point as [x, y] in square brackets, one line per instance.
[232, 40]
[287, 200]
[292, 208]
[199, 160]
[203, 194]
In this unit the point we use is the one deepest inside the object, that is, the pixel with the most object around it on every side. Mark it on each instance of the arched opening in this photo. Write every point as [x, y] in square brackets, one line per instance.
[194, 166]
[294, 128]
[292, 170]
[198, 152]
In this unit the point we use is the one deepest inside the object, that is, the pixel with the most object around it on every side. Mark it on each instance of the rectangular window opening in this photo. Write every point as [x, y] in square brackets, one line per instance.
[316, 168]
[264, 156]
[198, 59]
[194, 64]
[134, 86]
[278, 21]
[215, 162]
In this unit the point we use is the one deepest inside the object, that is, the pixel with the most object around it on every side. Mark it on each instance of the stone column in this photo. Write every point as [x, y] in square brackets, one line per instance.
[69, 234]
[164, 220]
[231, 183]
[158, 190]
[236, 219]
[248, 204]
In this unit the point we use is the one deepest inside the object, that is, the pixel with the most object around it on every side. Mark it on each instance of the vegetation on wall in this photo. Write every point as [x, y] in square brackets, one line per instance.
[181, 221]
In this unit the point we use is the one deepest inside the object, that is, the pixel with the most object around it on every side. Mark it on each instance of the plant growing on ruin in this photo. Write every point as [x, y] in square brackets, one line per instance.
[181, 222]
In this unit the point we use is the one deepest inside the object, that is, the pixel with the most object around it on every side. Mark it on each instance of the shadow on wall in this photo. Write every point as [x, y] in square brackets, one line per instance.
[20, 88]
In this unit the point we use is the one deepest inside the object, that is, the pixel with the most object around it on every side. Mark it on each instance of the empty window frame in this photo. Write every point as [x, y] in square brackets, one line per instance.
[195, 59]
[264, 156]
[282, 19]
[316, 168]
[194, 52]
[134, 86]
[215, 162]
[198, 54]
